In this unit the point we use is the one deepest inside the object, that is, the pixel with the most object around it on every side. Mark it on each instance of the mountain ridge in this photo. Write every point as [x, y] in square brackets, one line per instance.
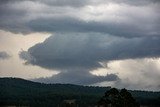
[17, 91]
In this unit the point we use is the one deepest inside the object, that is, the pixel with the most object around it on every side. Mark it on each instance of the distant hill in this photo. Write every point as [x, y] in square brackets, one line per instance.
[16, 91]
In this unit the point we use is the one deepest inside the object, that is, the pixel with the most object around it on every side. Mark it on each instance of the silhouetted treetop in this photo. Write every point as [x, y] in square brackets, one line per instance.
[114, 98]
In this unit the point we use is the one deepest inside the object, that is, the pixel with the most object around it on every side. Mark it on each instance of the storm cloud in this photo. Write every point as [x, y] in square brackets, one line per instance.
[119, 18]
[85, 35]
[87, 50]
[81, 53]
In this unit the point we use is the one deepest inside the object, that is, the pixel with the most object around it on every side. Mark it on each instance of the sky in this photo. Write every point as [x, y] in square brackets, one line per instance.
[86, 42]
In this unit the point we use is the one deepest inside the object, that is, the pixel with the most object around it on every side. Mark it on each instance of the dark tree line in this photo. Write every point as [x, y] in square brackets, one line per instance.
[19, 92]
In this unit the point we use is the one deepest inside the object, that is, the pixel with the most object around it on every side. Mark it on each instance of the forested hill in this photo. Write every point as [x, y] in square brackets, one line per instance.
[16, 91]
[19, 86]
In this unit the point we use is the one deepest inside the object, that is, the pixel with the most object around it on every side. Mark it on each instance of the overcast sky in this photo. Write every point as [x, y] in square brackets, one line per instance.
[85, 42]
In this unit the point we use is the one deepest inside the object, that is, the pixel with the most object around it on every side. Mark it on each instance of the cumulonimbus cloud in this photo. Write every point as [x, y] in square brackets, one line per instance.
[86, 51]
[88, 32]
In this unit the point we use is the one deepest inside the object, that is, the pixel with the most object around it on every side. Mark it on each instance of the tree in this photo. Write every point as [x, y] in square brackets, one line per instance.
[114, 98]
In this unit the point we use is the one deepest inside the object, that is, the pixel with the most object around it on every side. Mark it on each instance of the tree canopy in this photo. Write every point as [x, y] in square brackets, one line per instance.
[115, 98]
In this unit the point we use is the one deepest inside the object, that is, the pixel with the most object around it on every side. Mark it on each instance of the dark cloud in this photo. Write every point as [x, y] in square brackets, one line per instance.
[54, 16]
[4, 55]
[89, 31]
[79, 53]
[12, 17]
[26, 56]
[82, 3]
[72, 3]
[69, 24]
[80, 77]
[87, 50]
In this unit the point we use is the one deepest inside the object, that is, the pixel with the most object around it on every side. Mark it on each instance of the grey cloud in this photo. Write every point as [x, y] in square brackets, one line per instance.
[76, 54]
[80, 77]
[26, 56]
[4, 55]
[48, 16]
[72, 3]
[12, 17]
[87, 50]
[69, 24]
[83, 42]
[81, 3]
